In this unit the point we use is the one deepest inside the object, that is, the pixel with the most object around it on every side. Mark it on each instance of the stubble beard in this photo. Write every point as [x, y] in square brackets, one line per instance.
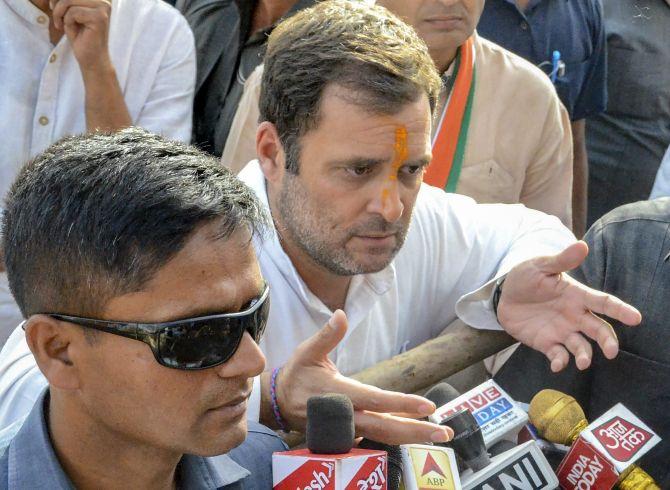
[310, 230]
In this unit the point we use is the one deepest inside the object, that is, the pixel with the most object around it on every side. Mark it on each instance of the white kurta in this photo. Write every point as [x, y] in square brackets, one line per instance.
[42, 96]
[454, 247]
[454, 251]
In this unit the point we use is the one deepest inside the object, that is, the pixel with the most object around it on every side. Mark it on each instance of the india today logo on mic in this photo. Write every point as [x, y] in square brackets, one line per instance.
[584, 469]
[621, 438]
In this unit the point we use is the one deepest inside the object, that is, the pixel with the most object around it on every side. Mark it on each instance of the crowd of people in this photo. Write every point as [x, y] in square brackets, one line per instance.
[213, 210]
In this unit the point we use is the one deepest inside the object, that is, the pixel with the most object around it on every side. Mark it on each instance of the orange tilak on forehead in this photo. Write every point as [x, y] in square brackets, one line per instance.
[400, 153]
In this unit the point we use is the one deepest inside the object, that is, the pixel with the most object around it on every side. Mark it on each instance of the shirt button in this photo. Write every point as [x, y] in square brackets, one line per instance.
[42, 19]
[524, 25]
[52, 58]
[44, 120]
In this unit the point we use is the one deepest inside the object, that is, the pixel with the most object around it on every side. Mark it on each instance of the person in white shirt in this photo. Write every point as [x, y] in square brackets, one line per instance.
[71, 66]
[361, 245]
[662, 183]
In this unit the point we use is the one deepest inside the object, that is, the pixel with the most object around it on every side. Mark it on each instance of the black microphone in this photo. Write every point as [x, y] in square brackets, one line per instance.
[394, 461]
[441, 394]
[500, 447]
[468, 441]
[330, 424]
[330, 460]
[507, 463]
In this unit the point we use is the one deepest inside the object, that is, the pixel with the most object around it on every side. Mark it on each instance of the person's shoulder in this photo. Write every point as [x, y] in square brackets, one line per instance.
[656, 210]
[512, 70]
[4, 471]
[437, 212]
[432, 200]
[255, 454]
[260, 443]
[208, 9]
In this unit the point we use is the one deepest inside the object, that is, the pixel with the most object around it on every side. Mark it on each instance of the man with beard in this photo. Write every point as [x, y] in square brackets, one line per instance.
[501, 133]
[347, 101]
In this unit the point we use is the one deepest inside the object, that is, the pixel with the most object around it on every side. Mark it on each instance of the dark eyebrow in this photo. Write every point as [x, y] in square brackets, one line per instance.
[358, 162]
[421, 162]
[373, 162]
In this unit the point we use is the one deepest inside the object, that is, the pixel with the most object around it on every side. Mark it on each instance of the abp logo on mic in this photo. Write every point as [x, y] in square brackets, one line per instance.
[432, 468]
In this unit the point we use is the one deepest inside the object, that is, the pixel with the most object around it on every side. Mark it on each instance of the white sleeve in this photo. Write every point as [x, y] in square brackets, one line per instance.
[662, 184]
[21, 382]
[519, 234]
[470, 245]
[168, 110]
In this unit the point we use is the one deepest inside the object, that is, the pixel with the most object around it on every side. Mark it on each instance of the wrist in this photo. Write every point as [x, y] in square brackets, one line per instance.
[271, 414]
[98, 71]
[497, 294]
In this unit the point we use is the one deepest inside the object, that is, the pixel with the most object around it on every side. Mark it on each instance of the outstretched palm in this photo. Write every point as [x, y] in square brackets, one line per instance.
[553, 313]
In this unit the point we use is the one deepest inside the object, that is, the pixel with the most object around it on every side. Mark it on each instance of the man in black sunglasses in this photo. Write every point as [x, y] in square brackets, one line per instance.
[132, 259]
[147, 241]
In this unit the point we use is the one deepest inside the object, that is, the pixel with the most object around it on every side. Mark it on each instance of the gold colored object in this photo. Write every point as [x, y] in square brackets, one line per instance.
[557, 416]
[635, 478]
[559, 419]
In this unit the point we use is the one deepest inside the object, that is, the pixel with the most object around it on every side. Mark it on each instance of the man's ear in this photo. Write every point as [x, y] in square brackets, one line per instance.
[52, 343]
[270, 151]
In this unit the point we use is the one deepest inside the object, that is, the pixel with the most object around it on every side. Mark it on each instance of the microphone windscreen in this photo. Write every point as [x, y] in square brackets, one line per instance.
[468, 440]
[557, 416]
[330, 424]
[394, 476]
[500, 447]
[441, 394]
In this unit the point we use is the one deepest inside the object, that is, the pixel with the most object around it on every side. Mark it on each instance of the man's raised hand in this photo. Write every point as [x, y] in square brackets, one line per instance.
[553, 313]
[86, 25]
[309, 372]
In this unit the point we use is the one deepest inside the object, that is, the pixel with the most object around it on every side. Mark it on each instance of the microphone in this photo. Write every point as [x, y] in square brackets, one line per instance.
[510, 466]
[442, 393]
[395, 463]
[602, 453]
[468, 441]
[522, 467]
[428, 467]
[330, 424]
[493, 409]
[330, 461]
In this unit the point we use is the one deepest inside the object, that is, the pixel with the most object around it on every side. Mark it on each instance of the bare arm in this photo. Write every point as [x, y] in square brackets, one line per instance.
[580, 178]
[86, 25]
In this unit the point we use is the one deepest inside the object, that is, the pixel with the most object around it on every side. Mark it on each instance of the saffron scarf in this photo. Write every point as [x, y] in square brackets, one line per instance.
[452, 133]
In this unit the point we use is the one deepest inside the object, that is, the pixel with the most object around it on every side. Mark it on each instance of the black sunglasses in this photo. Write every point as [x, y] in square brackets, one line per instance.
[192, 343]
